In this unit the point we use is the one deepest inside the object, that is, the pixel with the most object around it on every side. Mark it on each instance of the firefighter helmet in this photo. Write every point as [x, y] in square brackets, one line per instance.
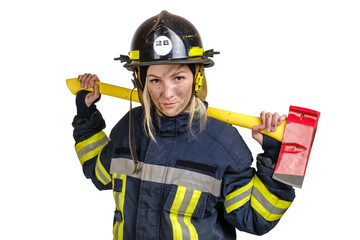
[166, 39]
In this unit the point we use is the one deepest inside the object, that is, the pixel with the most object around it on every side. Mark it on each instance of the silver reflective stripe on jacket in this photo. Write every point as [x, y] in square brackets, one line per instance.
[168, 175]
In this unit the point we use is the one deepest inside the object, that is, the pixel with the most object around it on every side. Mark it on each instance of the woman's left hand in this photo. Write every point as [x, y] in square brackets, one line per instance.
[269, 121]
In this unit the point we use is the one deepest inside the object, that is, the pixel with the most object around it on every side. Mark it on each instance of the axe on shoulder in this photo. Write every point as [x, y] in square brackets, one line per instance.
[296, 133]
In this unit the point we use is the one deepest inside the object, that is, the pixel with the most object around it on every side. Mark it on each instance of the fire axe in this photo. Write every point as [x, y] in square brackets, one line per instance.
[296, 133]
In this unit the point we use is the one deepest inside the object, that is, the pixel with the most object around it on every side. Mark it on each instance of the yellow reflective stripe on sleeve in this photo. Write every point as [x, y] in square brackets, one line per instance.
[267, 204]
[119, 197]
[90, 147]
[239, 197]
[183, 207]
[102, 175]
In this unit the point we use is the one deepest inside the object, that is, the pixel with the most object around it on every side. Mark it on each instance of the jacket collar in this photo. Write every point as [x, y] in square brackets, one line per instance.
[173, 126]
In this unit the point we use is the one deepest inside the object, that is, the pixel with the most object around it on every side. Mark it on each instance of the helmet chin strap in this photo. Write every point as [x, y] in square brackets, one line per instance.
[132, 145]
[200, 86]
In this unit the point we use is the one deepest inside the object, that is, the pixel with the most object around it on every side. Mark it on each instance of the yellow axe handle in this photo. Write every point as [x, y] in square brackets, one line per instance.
[222, 115]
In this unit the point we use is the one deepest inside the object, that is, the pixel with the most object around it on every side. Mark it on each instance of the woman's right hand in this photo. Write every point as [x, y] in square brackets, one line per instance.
[88, 80]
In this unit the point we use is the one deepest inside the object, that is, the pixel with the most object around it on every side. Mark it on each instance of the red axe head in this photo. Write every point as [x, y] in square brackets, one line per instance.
[297, 141]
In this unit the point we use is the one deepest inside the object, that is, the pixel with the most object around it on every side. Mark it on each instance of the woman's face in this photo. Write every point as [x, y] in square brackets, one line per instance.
[170, 87]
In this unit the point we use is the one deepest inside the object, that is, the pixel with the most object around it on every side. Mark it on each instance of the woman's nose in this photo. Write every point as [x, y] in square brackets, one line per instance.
[168, 91]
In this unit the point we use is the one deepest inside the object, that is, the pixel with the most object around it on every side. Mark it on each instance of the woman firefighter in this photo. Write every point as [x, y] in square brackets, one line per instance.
[176, 173]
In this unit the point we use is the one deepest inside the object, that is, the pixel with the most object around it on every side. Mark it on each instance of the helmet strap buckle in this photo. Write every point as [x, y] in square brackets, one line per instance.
[123, 58]
[198, 82]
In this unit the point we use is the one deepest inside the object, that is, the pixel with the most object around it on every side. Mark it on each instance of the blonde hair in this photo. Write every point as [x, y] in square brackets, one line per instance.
[196, 110]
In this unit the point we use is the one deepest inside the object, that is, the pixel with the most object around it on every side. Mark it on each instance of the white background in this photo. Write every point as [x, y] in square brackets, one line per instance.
[273, 54]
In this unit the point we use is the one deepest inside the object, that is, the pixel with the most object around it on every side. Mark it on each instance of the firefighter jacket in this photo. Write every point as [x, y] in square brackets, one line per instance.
[188, 187]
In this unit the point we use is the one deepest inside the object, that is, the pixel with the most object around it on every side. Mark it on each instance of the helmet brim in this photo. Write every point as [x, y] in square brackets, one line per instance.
[206, 62]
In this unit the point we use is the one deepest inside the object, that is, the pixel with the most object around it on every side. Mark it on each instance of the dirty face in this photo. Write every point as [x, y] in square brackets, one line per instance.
[170, 87]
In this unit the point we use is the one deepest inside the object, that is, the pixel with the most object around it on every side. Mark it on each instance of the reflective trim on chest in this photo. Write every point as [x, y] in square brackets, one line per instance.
[168, 175]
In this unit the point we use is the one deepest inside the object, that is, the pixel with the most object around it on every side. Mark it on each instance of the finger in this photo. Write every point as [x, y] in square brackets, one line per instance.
[281, 119]
[82, 79]
[256, 133]
[96, 90]
[263, 118]
[90, 80]
[87, 80]
[257, 128]
[268, 119]
[94, 79]
[274, 121]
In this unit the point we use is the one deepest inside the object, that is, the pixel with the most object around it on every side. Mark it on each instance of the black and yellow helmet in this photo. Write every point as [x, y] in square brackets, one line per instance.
[167, 39]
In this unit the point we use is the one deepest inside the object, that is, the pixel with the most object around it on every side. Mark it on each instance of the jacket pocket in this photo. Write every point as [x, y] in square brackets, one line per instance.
[186, 201]
[185, 206]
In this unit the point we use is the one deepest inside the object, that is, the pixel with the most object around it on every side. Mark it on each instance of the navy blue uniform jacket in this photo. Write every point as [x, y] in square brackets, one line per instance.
[187, 188]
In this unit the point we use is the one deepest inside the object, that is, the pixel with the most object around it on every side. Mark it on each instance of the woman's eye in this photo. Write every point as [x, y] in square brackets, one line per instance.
[179, 78]
[154, 80]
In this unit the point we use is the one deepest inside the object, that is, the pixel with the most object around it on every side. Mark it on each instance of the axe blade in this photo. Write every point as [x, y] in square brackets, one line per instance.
[295, 149]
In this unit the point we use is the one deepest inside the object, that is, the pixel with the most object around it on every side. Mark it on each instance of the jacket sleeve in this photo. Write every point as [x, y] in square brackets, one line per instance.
[254, 202]
[92, 146]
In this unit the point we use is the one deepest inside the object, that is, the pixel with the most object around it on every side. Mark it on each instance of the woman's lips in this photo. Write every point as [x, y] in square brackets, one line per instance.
[169, 104]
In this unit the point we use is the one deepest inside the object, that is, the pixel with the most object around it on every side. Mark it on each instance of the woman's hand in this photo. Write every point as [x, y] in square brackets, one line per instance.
[88, 80]
[269, 122]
